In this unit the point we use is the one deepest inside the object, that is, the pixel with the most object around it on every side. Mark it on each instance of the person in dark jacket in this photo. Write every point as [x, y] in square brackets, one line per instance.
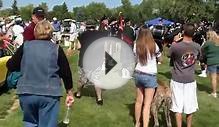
[128, 34]
[42, 65]
[86, 39]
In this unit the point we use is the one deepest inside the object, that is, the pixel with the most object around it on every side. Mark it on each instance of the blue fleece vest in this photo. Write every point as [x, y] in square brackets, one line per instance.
[39, 69]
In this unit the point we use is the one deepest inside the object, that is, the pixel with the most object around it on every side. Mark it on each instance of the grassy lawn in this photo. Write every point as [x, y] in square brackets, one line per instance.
[118, 107]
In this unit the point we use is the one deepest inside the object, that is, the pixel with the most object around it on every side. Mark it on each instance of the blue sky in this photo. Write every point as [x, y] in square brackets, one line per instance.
[70, 3]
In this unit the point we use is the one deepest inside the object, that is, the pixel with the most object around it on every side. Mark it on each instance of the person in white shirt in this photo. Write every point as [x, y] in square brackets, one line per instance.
[147, 53]
[82, 27]
[17, 31]
[73, 27]
[2, 27]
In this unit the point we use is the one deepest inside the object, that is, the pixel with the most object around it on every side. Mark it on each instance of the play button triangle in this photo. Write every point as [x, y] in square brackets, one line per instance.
[109, 63]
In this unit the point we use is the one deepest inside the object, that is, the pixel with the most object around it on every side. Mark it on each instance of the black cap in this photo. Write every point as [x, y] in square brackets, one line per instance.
[38, 11]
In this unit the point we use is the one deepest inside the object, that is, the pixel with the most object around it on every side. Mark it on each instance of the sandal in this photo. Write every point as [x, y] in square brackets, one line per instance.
[99, 101]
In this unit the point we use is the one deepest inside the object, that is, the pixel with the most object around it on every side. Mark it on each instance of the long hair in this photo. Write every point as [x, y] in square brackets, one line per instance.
[145, 45]
[213, 37]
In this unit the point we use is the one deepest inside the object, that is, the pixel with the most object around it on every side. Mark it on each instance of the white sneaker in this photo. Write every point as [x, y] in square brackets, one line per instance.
[204, 75]
[213, 95]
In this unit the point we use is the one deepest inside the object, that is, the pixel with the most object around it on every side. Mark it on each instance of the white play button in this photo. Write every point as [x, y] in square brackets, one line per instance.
[109, 63]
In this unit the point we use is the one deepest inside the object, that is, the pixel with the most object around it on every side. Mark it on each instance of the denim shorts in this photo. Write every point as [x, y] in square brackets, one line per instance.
[145, 80]
[213, 69]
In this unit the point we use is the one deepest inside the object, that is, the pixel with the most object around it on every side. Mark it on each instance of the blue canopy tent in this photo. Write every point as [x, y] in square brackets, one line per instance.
[157, 21]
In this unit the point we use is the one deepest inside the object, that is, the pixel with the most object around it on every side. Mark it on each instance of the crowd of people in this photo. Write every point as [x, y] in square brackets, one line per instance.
[12, 30]
[43, 64]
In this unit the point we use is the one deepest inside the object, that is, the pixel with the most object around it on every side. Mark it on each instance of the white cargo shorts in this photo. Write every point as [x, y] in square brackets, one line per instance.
[184, 97]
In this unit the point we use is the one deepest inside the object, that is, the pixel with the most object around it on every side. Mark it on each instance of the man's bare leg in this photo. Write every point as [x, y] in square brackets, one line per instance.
[178, 119]
[189, 120]
[99, 95]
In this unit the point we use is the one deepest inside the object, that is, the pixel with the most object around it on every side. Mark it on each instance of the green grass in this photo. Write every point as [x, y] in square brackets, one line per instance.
[7, 100]
[118, 107]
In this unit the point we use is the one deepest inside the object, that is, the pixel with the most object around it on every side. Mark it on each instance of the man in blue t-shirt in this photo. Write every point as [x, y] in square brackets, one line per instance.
[56, 25]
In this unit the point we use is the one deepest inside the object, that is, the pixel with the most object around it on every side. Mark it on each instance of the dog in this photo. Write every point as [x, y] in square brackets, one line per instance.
[162, 98]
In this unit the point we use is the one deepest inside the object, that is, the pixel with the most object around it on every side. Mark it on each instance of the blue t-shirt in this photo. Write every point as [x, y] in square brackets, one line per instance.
[56, 26]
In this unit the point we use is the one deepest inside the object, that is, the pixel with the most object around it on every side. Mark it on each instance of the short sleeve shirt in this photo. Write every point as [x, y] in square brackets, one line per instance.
[151, 66]
[183, 57]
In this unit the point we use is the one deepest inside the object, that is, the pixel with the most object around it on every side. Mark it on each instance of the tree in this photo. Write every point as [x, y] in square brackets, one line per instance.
[187, 10]
[79, 13]
[26, 12]
[15, 10]
[64, 8]
[44, 6]
[5, 12]
[127, 9]
[66, 14]
[57, 11]
[61, 11]
[93, 11]
[146, 9]
[216, 15]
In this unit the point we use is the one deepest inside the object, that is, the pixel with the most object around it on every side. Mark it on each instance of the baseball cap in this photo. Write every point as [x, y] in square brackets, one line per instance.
[38, 11]
[54, 19]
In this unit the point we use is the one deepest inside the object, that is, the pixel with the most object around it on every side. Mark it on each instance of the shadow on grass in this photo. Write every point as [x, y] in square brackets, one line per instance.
[4, 89]
[202, 87]
[88, 91]
[131, 108]
[166, 74]
[161, 115]
[197, 72]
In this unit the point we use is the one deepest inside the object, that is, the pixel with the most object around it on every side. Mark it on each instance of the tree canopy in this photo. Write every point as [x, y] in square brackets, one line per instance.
[60, 11]
[26, 12]
[15, 10]
[192, 10]
[93, 11]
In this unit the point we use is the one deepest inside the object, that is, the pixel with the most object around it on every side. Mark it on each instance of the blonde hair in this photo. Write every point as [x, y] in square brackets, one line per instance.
[213, 37]
[145, 45]
[43, 30]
